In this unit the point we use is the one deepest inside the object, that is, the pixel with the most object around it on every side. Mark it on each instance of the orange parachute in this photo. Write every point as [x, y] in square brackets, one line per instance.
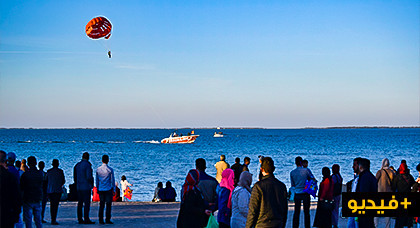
[99, 27]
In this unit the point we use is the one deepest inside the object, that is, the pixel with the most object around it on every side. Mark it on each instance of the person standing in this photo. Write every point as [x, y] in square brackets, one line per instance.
[237, 169]
[404, 182]
[105, 180]
[55, 182]
[247, 161]
[338, 186]
[41, 166]
[224, 193]
[124, 185]
[83, 178]
[240, 200]
[207, 185]
[324, 207]
[31, 186]
[11, 158]
[193, 212]
[367, 183]
[298, 178]
[268, 203]
[220, 166]
[10, 198]
[351, 187]
[386, 179]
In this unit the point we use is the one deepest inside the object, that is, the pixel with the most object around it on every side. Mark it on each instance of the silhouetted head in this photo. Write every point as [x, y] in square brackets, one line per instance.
[222, 157]
[247, 160]
[326, 173]
[123, 178]
[335, 169]
[200, 164]
[364, 164]
[268, 165]
[31, 161]
[305, 163]
[105, 159]
[41, 165]
[298, 161]
[55, 163]
[168, 184]
[85, 156]
[237, 160]
[18, 164]
[11, 158]
[418, 167]
[404, 161]
[356, 163]
[160, 185]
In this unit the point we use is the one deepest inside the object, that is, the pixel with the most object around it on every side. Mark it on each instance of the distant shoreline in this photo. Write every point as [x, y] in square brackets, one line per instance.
[221, 128]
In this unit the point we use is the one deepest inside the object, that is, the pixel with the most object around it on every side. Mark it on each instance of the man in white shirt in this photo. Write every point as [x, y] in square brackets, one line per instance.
[105, 182]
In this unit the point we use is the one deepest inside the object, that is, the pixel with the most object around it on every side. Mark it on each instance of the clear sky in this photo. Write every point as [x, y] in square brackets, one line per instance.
[274, 64]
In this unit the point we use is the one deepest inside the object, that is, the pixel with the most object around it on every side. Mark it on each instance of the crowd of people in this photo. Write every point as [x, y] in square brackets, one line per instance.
[229, 194]
[26, 188]
[266, 203]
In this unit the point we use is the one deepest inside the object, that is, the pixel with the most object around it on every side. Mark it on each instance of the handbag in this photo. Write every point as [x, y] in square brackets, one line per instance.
[212, 223]
[311, 187]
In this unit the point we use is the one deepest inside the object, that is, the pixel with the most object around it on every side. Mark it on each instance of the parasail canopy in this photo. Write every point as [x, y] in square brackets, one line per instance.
[99, 27]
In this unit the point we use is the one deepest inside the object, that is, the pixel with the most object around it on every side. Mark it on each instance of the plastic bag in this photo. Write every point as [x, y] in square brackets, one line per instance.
[128, 193]
[212, 223]
[292, 192]
[311, 187]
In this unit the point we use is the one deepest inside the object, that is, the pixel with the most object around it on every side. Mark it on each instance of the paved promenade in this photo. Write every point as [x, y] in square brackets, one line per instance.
[141, 214]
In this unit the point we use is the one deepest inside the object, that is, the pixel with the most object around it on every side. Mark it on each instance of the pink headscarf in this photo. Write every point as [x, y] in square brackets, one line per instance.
[228, 182]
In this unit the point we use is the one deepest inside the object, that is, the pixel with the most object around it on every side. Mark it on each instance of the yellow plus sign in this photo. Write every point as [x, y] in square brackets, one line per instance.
[405, 203]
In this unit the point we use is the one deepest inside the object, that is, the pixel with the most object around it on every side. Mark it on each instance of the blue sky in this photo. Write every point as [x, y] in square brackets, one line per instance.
[274, 64]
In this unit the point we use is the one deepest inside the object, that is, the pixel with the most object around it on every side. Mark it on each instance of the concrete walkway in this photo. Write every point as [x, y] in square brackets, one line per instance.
[142, 214]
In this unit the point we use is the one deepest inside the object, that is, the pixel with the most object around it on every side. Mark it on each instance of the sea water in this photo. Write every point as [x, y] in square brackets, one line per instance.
[139, 155]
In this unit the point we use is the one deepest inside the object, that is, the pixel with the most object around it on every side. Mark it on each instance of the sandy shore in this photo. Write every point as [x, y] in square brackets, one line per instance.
[141, 214]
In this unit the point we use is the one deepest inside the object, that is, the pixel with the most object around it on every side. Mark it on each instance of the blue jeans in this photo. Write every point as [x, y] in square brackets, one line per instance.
[351, 223]
[28, 210]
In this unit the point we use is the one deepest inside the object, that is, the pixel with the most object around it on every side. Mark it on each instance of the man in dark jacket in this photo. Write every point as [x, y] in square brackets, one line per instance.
[268, 203]
[10, 199]
[83, 178]
[55, 182]
[367, 183]
[237, 169]
[31, 186]
[207, 186]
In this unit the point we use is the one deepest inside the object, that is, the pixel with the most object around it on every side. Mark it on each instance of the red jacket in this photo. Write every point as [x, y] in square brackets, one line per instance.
[326, 189]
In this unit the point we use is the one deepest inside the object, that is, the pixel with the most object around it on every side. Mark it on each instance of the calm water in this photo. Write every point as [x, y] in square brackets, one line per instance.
[138, 154]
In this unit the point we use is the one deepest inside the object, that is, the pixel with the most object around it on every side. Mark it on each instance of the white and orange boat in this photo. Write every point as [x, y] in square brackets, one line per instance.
[174, 138]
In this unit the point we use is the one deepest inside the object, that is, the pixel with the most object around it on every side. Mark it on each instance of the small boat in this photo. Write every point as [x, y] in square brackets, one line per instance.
[174, 138]
[218, 134]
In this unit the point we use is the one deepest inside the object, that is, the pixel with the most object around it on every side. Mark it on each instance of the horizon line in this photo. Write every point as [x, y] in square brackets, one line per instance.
[204, 128]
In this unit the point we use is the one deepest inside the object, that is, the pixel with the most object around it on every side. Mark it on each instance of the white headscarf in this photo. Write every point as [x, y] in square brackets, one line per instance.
[385, 163]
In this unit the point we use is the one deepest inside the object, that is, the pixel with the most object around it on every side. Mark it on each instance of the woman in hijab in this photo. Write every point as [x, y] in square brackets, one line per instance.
[403, 183]
[386, 179]
[323, 215]
[192, 212]
[224, 193]
[240, 200]
[338, 185]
